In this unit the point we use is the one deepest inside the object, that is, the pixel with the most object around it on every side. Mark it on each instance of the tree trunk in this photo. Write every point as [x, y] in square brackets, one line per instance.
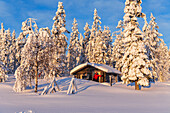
[36, 76]
[110, 79]
[160, 77]
[136, 85]
[14, 64]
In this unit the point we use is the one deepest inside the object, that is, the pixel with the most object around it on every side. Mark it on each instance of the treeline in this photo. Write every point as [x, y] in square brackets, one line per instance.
[139, 54]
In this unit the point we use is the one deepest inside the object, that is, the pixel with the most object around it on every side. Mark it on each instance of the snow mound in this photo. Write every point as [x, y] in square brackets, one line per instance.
[29, 111]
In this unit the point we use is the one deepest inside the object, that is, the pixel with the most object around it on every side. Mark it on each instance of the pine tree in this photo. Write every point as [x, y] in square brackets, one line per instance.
[1, 36]
[95, 32]
[60, 38]
[106, 34]
[73, 51]
[81, 56]
[152, 44]
[12, 49]
[86, 40]
[100, 49]
[163, 62]
[118, 47]
[3, 71]
[48, 64]
[5, 45]
[135, 61]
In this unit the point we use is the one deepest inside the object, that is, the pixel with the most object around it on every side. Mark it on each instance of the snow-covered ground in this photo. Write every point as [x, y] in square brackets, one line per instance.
[91, 97]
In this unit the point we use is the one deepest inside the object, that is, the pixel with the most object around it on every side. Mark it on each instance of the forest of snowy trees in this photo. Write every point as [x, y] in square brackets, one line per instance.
[141, 55]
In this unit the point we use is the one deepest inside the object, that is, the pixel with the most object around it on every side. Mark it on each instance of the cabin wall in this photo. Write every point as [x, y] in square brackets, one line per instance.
[89, 72]
[85, 73]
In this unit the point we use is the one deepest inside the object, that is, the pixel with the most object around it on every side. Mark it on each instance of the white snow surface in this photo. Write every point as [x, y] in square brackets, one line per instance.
[102, 67]
[92, 97]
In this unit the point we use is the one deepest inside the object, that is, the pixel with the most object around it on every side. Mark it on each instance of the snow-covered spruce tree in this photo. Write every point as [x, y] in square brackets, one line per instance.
[2, 32]
[48, 63]
[100, 49]
[135, 61]
[4, 48]
[95, 32]
[12, 49]
[73, 51]
[81, 56]
[107, 38]
[60, 38]
[152, 44]
[118, 47]
[3, 70]
[163, 62]
[86, 40]
[20, 42]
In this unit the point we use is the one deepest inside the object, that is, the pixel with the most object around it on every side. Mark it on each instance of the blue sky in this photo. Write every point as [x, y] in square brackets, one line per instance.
[14, 12]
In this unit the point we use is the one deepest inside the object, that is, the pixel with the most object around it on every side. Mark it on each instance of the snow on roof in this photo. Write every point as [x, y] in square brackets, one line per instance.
[102, 67]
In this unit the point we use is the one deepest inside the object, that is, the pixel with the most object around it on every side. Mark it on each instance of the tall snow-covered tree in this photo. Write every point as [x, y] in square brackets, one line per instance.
[60, 38]
[152, 44]
[98, 43]
[36, 58]
[1, 35]
[27, 28]
[3, 70]
[81, 56]
[100, 49]
[7, 49]
[163, 62]
[4, 48]
[31, 57]
[107, 38]
[86, 40]
[118, 47]
[135, 61]
[12, 49]
[95, 32]
[20, 42]
[47, 67]
[73, 50]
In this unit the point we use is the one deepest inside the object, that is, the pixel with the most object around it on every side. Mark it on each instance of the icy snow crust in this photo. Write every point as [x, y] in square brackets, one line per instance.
[91, 97]
[102, 67]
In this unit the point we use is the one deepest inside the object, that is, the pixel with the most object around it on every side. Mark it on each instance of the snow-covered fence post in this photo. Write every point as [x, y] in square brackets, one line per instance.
[72, 87]
[56, 85]
[45, 91]
[51, 88]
